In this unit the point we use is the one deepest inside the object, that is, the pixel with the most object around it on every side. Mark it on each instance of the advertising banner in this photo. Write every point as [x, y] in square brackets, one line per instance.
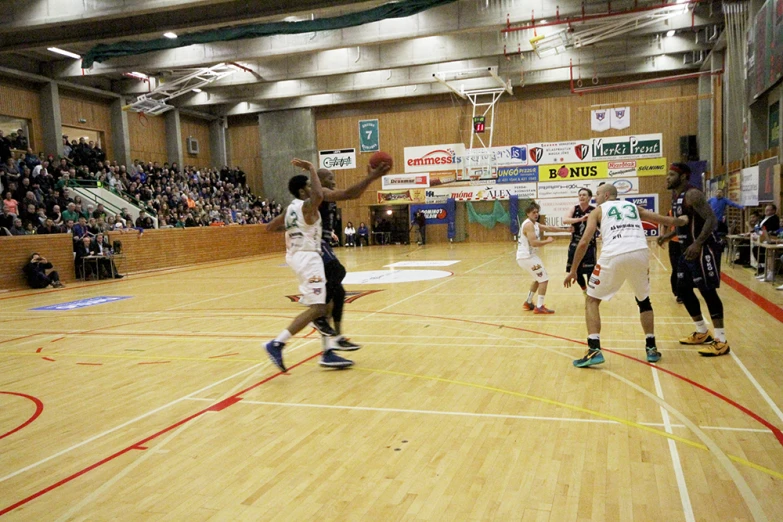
[628, 147]
[434, 214]
[369, 136]
[750, 187]
[485, 192]
[564, 189]
[573, 171]
[400, 197]
[560, 152]
[433, 158]
[767, 180]
[494, 156]
[735, 192]
[555, 209]
[341, 159]
[405, 181]
[517, 174]
[633, 167]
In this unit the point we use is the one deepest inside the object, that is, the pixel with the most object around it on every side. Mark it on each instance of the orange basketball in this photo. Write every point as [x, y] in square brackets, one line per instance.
[381, 157]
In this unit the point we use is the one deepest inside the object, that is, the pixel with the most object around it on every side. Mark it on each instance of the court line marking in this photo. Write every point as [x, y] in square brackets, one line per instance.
[754, 297]
[472, 414]
[757, 385]
[682, 486]
[747, 494]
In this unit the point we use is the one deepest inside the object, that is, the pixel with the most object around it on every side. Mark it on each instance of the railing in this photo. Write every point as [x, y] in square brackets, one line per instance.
[92, 183]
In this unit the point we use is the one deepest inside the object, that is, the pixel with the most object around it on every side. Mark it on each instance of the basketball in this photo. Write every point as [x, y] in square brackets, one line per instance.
[381, 157]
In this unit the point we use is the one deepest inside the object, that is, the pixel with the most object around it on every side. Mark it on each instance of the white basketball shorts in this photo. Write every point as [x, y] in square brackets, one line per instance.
[309, 269]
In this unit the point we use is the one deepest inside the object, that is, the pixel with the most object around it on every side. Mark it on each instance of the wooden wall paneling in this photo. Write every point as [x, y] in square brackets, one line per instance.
[96, 112]
[529, 117]
[147, 137]
[15, 251]
[23, 101]
[198, 129]
[170, 248]
[244, 146]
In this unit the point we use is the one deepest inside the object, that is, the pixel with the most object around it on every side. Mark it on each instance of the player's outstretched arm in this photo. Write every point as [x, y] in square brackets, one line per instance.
[658, 219]
[357, 189]
[277, 224]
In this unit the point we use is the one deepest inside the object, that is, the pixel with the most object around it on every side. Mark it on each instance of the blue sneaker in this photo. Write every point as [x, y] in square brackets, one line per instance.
[275, 351]
[592, 357]
[330, 359]
[653, 355]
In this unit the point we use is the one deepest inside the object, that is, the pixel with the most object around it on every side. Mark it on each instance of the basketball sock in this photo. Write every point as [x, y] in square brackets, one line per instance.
[650, 340]
[720, 334]
[530, 297]
[701, 326]
[540, 301]
[594, 341]
[283, 337]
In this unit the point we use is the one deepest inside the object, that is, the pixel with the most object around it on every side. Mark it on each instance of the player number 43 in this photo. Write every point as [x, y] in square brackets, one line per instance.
[629, 211]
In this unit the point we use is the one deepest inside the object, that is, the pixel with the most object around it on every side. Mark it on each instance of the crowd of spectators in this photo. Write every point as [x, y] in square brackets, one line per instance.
[36, 199]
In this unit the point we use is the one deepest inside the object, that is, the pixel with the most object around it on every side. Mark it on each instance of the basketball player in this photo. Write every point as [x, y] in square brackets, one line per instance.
[303, 255]
[333, 269]
[577, 218]
[624, 256]
[527, 257]
[699, 263]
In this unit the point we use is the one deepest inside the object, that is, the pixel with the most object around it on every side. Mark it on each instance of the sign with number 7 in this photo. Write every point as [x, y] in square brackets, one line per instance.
[369, 136]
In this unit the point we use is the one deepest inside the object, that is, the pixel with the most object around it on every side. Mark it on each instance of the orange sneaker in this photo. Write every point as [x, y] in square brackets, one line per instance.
[697, 338]
[528, 306]
[543, 310]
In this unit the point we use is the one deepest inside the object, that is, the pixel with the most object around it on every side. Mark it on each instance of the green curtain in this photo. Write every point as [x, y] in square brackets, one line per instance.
[401, 9]
[498, 215]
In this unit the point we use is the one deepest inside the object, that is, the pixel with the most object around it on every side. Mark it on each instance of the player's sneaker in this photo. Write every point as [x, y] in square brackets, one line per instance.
[593, 356]
[697, 338]
[714, 349]
[324, 328]
[528, 306]
[653, 355]
[543, 310]
[344, 344]
[275, 351]
[330, 359]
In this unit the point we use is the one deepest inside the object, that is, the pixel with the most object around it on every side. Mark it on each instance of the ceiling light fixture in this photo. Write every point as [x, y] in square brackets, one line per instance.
[196, 90]
[670, 33]
[170, 35]
[63, 52]
[140, 76]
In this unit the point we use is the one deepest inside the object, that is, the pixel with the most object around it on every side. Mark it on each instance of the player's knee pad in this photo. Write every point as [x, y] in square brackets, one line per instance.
[714, 304]
[645, 305]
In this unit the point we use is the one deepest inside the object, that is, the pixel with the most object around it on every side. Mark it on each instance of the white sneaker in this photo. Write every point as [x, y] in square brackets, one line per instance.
[779, 288]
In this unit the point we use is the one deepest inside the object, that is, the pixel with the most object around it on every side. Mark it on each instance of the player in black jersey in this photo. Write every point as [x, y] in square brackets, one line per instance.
[699, 263]
[577, 218]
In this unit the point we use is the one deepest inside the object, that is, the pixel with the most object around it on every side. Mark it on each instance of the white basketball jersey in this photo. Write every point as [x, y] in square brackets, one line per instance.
[621, 228]
[524, 250]
[299, 236]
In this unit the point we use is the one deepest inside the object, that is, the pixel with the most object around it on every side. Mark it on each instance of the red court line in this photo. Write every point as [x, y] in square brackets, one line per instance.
[224, 355]
[47, 359]
[774, 429]
[38, 410]
[90, 364]
[140, 444]
[155, 362]
[765, 304]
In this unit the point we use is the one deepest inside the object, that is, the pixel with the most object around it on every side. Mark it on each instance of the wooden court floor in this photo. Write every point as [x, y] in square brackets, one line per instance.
[163, 405]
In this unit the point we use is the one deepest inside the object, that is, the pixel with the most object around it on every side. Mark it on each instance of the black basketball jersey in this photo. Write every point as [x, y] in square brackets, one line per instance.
[689, 232]
[328, 211]
[579, 228]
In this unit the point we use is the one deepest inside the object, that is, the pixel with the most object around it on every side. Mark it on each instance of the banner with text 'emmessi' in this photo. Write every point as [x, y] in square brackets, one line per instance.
[405, 181]
[560, 152]
[433, 158]
[628, 147]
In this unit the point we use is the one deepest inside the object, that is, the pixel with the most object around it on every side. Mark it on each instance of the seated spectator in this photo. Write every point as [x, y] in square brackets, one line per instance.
[29, 229]
[144, 221]
[100, 247]
[70, 213]
[17, 229]
[35, 273]
[6, 218]
[80, 229]
[21, 142]
[82, 248]
[49, 227]
[10, 204]
[350, 235]
[99, 212]
[770, 223]
[363, 234]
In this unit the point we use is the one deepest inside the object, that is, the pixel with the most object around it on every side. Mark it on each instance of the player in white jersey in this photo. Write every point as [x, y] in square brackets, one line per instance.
[527, 257]
[303, 255]
[624, 256]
